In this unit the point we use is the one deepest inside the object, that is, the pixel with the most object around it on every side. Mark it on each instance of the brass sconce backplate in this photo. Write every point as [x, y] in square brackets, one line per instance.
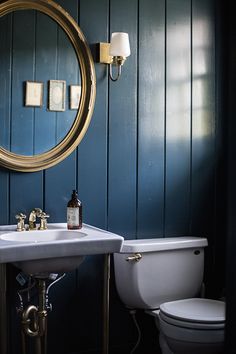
[104, 56]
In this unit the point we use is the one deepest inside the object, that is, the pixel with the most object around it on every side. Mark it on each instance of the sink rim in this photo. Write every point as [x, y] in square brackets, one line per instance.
[42, 236]
[96, 242]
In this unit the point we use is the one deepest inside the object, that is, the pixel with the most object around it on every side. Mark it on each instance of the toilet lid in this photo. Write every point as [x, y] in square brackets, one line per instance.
[195, 310]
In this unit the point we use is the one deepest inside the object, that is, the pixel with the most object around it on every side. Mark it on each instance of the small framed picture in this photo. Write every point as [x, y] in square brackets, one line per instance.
[57, 95]
[75, 94]
[33, 94]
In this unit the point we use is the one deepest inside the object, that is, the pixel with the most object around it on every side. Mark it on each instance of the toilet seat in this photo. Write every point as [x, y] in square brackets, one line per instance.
[191, 325]
[194, 313]
[193, 320]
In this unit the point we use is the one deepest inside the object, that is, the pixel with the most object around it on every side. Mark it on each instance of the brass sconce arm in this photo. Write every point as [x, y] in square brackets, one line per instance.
[117, 61]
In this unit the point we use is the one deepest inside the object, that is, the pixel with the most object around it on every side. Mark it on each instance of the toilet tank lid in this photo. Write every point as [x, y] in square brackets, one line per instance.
[162, 244]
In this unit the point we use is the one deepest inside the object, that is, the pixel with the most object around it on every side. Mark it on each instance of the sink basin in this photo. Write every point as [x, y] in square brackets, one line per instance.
[42, 236]
[44, 267]
[56, 250]
[50, 265]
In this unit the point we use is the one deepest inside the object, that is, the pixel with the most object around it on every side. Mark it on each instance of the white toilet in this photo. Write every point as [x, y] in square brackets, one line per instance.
[164, 277]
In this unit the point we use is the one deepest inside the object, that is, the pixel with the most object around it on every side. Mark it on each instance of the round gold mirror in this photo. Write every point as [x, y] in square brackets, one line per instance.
[50, 99]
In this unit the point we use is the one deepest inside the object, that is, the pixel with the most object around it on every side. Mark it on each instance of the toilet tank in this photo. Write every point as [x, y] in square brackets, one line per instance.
[169, 269]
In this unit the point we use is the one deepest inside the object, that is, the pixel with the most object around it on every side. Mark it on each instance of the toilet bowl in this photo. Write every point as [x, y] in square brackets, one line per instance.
[164, 278]
[193, 325]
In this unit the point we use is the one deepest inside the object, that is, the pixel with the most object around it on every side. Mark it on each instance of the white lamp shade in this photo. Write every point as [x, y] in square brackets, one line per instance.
[119, 44]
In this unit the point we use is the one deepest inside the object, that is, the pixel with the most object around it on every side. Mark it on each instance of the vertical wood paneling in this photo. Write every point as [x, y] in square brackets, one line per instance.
[203, 128]
[92, 152]
[4, 196]
[25, 189]
[5, 109]
[123, 128]
[45, 69]
[60, 180]
[203, 117]
[23, 69]
[221, 187]
[151, 127]
[231, 185]
[178, 117]
[5, 79]
[68, 71]
[25, 193]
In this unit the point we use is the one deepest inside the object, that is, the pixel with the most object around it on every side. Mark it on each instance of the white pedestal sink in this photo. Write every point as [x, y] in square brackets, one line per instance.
[55, 250]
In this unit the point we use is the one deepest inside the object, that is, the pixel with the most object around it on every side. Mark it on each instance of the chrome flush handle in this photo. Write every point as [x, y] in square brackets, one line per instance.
[135, 257]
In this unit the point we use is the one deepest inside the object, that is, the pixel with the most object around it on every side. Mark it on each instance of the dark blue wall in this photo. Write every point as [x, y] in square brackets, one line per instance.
[231, 244]
[150, 163]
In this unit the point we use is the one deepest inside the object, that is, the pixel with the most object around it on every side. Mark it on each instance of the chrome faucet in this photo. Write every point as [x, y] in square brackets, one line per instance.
[34, 214]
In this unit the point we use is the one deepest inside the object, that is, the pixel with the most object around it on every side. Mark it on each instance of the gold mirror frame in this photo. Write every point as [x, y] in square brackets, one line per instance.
[72, 139]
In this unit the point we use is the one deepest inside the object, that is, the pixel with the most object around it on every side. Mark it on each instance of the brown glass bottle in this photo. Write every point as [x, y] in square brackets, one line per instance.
[74, 212]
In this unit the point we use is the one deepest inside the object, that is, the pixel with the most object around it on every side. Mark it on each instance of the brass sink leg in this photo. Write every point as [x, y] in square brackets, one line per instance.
[3, 310]
[106, 303]
[23, 342]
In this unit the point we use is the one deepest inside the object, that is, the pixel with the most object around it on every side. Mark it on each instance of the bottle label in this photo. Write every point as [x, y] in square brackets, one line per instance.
[73, 216]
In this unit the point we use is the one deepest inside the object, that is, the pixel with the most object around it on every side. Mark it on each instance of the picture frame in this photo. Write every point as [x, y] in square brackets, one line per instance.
[57, 95]
[33, 94]
[75, 96]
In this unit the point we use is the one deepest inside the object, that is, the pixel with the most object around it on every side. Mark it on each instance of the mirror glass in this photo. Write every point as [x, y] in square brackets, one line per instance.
[40, 83]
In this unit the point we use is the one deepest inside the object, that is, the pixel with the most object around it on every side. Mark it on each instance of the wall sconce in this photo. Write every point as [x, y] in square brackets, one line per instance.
[115, 53]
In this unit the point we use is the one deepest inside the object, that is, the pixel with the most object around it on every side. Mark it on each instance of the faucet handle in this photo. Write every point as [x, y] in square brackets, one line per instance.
[38, 212]
[20, 222]
[43, 220]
